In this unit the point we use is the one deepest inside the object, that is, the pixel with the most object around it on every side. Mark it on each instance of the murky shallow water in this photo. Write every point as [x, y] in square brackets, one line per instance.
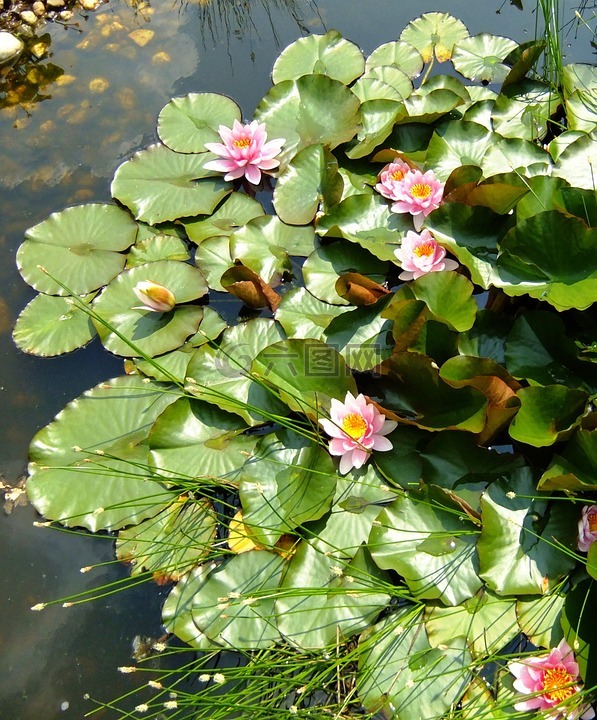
[72, 118]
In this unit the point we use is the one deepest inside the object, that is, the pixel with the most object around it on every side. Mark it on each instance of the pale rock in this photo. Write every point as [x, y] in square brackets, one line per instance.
[141, 37]
[54, 4]
[10, 48]
[66, 15]
[28, 17]
[39, 50]
[98, 85]
[39, 8]
[89, 4]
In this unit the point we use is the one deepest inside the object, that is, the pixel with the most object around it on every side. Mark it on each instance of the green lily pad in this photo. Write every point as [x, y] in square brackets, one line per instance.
[412, 386]
[480, 57]
[457, 143]
[323, 597]
[359, 498]
[401, 676]
[235, 605]
[308, 183]
[432, 548]
[547, 414]
[158, 184]
[213, 259]
[171, 543]
[436, 34]
[368, 221]
[538, 349]
[298, 110]
[429, 107]
[519, 554]
[174, 364]
[487, 621]
[325, 265]
[487, 337]
[186, 123]
[397, 54]
[265, 244]
[534, 261]
[328, 54]
[303, 316]
[575, 468]
[539, 618]
[221, 376]
[579, 628]
[232, 214]
[89, 466]
[81, 247]
[391, 76]
[580, 92]
[362, 336]
[305, 374]
[449, 297]
[51, 326]
[377, 122]
[193, 439]
[577, 162]
[177, 609]
[154, 244]
[287, 481]
[129, 329]
[515, 155]
[524, 109]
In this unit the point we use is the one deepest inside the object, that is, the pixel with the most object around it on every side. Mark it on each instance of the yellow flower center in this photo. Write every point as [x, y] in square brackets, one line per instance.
[420, 191]
[424, 250]
[397, 175]
[558, 684]
[354, 425]
[592, 522]
[242, 142]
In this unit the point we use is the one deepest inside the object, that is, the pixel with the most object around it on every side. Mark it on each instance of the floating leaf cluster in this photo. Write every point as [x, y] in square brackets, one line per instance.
[207, 458]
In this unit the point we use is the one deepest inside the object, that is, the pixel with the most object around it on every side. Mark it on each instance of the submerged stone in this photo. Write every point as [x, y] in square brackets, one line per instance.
[11, 48]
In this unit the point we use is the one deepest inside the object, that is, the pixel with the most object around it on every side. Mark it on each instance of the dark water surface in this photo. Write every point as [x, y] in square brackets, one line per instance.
[74, 116]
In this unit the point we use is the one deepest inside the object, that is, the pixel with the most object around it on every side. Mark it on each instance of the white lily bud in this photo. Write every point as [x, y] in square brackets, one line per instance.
[155, 297]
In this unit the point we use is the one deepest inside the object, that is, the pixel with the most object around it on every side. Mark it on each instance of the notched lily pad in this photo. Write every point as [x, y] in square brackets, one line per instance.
[51, 326]
[129, 329]
[81, 247]
[158, 184]
[436, 34]
[328, 54]
[186, 123]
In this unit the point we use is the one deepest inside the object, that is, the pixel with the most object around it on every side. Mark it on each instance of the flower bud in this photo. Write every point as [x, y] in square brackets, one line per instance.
[155, 297]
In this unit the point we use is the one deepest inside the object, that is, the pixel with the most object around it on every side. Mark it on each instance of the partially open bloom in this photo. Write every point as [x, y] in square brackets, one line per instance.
[587, 527]
[420, 254]
[244, 151]
[548, 682]
[155, 297]
[391, 177]
[356, 428]
[418, 194]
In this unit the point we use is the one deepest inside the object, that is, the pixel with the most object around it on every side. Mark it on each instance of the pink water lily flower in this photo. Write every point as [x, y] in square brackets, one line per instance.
[421, 254]
[418, 194]
[551, 682]
[356, 428]
[155, 297]
[244, 151]
[587, 527]
[391, 177]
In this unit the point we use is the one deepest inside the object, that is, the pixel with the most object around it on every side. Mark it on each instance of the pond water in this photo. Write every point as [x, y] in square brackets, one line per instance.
[73, 116]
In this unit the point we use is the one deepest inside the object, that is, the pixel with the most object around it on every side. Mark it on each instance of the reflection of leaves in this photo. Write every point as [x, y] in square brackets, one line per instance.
[22, 85]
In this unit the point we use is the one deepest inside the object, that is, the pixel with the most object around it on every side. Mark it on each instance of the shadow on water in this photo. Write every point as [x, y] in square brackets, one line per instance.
[85, 97]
